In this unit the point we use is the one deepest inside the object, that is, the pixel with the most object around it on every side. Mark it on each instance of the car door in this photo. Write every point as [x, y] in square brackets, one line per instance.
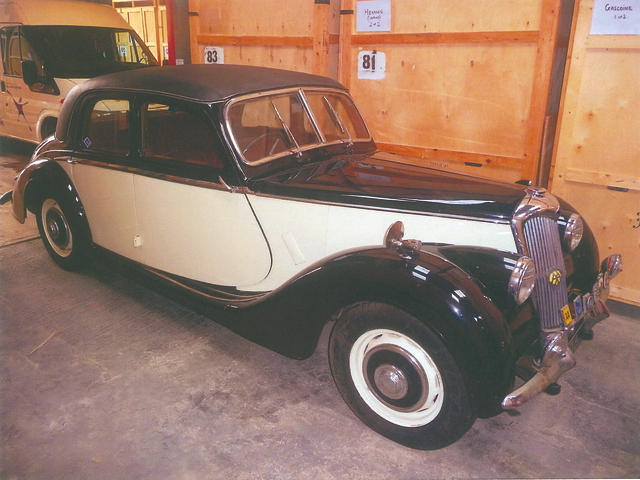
[101, 171]
[191, 224]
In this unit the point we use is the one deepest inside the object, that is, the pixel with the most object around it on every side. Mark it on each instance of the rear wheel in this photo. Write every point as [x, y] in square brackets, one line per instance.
[61, 233]
[398, 377]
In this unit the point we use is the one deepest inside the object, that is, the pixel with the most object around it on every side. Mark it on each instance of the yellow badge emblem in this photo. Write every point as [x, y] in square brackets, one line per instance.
[554, 278]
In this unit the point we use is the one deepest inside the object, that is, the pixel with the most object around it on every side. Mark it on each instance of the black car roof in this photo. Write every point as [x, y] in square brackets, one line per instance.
[200, 83]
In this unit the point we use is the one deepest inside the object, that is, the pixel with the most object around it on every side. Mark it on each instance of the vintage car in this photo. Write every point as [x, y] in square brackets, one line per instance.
[262, 190]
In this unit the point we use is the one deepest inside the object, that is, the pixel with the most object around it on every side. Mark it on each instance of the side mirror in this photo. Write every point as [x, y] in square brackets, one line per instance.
[29, 72]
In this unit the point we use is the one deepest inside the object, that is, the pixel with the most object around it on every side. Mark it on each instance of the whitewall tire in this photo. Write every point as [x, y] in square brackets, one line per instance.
[398, 377]
[63, 235]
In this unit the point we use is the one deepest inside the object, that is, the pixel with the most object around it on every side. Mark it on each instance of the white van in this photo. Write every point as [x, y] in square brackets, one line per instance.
[49, 46]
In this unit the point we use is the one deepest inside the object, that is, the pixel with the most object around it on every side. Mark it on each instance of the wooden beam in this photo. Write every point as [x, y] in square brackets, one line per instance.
[524, 36]
[540, 91]
[345, 41]
[321, 12]
[256, 40]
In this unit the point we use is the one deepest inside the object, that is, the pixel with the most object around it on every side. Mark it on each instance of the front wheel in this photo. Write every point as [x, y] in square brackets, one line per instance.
[398, 377]
[61, 233]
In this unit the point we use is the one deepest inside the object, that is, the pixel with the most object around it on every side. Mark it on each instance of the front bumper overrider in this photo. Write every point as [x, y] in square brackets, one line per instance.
[558, 357]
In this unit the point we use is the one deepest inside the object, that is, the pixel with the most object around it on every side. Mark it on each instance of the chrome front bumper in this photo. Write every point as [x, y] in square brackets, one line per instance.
[558, 356]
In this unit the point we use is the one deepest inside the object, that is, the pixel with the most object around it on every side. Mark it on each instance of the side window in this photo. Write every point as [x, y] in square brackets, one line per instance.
[129, 50]
[19, 49]
[14, 57]
[107, 129]
[179, 135]
[4, 35]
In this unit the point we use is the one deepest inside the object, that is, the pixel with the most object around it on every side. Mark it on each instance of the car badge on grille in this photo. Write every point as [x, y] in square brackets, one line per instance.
[554, 278]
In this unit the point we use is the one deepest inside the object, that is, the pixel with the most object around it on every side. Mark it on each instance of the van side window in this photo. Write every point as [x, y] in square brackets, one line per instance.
[107, 129]
[179, 135]
[20, 49]
[4, 33]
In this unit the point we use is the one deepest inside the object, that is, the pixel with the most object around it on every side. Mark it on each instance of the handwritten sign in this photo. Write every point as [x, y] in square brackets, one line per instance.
[374, 16]
[616, 17]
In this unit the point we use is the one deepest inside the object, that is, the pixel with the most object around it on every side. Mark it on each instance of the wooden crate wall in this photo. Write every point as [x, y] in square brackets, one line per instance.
[466, 84]
[149, 21]
[289, 34]
[597, 160]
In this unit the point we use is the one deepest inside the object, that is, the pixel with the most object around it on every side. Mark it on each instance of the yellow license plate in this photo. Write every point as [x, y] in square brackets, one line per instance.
[566, 315]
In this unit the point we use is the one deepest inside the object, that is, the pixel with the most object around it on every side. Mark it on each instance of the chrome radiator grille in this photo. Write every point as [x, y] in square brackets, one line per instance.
[550, 293]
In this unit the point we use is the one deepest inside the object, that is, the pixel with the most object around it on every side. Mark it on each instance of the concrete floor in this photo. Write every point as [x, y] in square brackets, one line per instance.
[102, 377]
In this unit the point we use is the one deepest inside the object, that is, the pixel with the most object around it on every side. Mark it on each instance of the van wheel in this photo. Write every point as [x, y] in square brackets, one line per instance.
[398, 377]
[62, 234]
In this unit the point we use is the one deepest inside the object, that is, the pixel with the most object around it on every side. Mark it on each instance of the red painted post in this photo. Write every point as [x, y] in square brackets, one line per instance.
[171, 43]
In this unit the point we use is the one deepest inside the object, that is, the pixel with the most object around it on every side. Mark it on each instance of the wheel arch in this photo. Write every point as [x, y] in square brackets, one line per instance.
[46, 175]
[431, 288]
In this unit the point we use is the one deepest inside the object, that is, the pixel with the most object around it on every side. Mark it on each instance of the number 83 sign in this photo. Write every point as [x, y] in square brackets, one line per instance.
[371, 65]
[213, 55]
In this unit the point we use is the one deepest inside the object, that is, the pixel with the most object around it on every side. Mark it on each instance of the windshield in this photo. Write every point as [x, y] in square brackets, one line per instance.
[271, 126]
[84, 52]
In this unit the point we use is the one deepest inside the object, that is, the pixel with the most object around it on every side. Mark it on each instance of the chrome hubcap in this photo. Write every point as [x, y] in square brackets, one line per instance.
[396, 377]
[56, 228]
[391, 381]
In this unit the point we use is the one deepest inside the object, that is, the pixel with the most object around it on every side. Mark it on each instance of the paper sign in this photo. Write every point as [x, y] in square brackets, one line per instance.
[374, 16]
[123, 51]
[616, 17]
[371, 65]
[213, 55]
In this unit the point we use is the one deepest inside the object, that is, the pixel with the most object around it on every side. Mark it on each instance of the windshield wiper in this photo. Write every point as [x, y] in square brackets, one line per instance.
[290, 136]
[336, 119]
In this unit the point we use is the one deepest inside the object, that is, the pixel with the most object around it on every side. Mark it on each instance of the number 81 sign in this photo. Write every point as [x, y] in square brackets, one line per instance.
[213, 55]
[371, 65]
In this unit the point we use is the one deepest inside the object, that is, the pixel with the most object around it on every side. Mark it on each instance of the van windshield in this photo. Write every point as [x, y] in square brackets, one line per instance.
[83, 52]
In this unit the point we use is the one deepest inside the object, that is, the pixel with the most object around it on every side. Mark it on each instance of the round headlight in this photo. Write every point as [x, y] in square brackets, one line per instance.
[573, 232]
[522, 280]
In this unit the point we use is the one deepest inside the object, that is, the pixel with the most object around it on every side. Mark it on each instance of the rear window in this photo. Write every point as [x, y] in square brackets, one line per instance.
[107, 129]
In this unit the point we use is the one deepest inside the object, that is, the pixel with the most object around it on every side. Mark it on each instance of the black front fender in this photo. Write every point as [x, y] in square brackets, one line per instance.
[454, 304]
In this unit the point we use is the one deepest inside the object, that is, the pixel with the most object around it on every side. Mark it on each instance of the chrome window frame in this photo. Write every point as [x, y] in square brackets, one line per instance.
[300, 91]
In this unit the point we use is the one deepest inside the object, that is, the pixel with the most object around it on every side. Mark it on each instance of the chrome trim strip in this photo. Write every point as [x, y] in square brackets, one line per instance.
[314, 121]
[224, 297]
[305, 104]
[161, 176]
[248, 191]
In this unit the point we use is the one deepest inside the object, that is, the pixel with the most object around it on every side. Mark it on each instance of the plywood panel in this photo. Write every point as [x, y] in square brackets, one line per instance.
[447, 16]
[291, 58]
[466, 83]
[260, 17]
[301, 36]
[608, 98]
[596, 165]
[472, 98]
